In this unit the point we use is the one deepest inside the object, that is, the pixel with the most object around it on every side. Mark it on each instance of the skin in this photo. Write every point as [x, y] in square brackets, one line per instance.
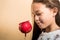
[45, 17]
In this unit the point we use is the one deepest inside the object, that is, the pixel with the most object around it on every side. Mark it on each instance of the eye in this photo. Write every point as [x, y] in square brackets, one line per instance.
[38, 14]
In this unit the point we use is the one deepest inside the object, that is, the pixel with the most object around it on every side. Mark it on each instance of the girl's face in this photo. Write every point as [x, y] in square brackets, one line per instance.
[43, 16]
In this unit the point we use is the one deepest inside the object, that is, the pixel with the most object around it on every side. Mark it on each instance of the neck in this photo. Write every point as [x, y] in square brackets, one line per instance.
[52, 27]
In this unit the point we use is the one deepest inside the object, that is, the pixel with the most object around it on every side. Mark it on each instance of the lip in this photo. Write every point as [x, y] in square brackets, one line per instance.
[38, 23]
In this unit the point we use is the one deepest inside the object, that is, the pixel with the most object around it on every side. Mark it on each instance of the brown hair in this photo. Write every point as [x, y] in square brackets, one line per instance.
[51, 4]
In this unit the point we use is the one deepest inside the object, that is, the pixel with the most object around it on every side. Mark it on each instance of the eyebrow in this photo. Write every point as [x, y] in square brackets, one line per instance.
[37, 12]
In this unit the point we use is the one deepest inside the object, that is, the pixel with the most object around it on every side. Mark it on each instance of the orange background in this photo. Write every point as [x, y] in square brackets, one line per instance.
[12, 12]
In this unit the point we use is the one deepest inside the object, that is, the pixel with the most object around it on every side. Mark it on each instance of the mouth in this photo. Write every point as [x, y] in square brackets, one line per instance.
[39, 24]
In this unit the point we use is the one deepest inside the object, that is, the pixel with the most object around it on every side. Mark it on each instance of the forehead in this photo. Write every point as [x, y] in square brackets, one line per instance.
[38, 6]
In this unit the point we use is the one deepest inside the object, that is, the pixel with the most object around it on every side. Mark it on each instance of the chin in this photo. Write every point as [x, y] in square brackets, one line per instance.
[42, 27]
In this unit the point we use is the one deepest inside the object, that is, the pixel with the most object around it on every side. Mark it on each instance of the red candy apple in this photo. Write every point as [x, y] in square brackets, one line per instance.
[25, 27]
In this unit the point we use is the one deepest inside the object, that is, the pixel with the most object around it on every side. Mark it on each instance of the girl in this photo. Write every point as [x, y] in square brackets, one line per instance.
[46, 15]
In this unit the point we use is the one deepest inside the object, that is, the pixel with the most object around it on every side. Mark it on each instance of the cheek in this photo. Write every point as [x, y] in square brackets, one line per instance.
[46, 18]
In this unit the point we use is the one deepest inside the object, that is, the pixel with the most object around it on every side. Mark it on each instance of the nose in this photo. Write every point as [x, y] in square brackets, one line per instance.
[36, 18]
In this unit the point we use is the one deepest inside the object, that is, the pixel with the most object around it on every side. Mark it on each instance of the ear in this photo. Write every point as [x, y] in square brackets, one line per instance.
[55, 11]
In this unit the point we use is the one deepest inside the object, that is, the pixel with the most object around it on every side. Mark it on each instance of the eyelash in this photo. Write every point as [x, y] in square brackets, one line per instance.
[38, 14]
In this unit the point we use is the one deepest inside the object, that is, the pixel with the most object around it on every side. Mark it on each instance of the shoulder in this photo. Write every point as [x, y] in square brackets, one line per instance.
[57, 35]
[50, 36]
